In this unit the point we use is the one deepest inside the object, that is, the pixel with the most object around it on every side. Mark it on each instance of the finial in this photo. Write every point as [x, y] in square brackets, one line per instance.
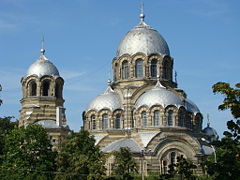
[42, 48]
[158, 84]
[175, 76]
[142, 15]
[208, 121]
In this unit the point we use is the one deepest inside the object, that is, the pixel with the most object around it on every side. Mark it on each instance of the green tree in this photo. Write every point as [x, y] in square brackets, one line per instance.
[228, 148]
[6, 125]
[124, 165]
[79, 158]
[27, 154]
[184, 168]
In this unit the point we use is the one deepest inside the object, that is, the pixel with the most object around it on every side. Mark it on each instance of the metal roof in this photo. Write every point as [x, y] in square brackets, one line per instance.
[126, 142]
[42, 67]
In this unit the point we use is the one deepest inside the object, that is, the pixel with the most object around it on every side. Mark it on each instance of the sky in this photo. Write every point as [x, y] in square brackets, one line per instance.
[81, 38]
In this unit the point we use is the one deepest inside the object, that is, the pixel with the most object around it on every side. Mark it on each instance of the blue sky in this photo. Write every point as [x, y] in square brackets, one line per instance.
[81, 38]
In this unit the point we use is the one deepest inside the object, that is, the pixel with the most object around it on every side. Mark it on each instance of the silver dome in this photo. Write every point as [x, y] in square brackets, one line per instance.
[107, 100]
[42, 67]
[144, 39]
[159, 95]
[211, 132]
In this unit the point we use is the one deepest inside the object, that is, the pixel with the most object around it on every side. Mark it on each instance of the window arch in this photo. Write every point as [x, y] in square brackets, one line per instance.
[32, 88]
[144, 119]
[117, 122]
[170, 118]
[93, 121]
[125, 70]
[46, 88]
[153, 68]
[105, 121]
[139, 68]
[156, 118]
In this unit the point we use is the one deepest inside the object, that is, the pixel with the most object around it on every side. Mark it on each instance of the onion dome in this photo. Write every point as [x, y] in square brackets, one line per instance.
[108, 100]
[42, 67]
[159, 95]
[210, 132]
[142, 38]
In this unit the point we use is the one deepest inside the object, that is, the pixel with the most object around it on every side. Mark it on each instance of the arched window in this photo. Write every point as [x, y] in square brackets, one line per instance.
[181, 117]
[188, 122]
[153, 68]
[58, 90]
[144, 119]
[117, 122]
[164, 167]
[170, 118]
[125, 70]
[104, 121]
[33, 88]
[93, 121]
[139, 68]
[165, 70]
[156, 118]
[46, 88]
[173, 157]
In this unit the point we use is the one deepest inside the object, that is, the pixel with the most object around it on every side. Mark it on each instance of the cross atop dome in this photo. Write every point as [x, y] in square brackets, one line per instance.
[142, 15]
[42, 50]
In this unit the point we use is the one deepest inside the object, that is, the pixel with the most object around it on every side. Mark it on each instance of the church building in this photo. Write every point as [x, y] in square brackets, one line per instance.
[143, 109]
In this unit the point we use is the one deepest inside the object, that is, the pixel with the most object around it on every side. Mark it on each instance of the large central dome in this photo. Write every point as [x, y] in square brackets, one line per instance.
[144, 39]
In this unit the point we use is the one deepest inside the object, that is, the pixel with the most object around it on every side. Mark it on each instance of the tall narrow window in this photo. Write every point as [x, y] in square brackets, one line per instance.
[117, 122]
[33, 88]
[156, 118]
[181, 117]
[58, 90]
[139, 68]
[154, 68]
[173, 157]
[46, 88]
[164, 167]
[93, 121]
[104, 121]
[170, 118]
[165, 70]
[144, 119]
[125, 70]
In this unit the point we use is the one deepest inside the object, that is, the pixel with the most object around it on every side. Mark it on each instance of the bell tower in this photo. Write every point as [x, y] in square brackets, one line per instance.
[42, 102]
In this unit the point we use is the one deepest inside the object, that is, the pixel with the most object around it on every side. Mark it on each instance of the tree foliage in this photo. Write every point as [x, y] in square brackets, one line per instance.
[79, 158]
[6, 125]
[124, 164]
[27, 154]
[228, 148]
[184, 168]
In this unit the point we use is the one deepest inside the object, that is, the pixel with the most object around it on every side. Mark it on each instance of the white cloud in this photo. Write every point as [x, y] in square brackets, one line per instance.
[68, 75]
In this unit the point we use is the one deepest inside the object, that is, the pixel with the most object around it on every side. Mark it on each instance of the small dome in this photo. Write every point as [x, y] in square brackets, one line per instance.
[107, 100]
[144, 39]
[42, 67]
[211, 132]
[159, 95]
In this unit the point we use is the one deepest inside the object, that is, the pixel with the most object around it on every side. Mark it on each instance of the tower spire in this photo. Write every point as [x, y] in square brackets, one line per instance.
[142, 15]
[208, 121]
[42, 46]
